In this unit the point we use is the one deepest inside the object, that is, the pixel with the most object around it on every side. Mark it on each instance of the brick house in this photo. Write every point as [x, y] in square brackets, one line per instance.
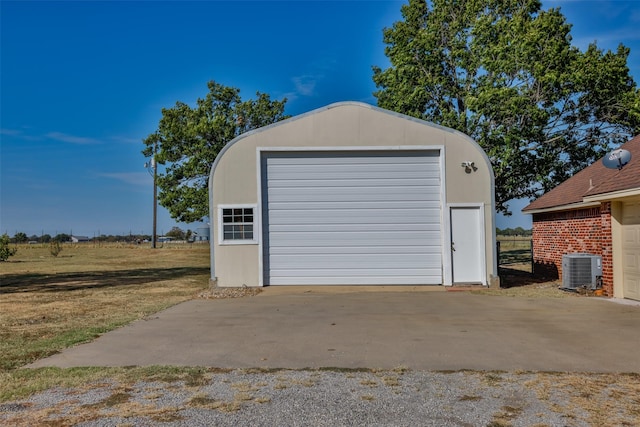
[596, 211]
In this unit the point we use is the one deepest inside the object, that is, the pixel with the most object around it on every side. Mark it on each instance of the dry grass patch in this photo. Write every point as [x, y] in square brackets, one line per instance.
[21, 383]
[492, 379]
[50, 303]
[69, 413]
[117, 398]
[598, 399]
[203, 401]
[467, 398]
[245, 387]
[505, 416]
[391, 381]
[206, 402]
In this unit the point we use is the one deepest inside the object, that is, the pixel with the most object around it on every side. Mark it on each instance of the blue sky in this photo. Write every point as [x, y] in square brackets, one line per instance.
[82, 83]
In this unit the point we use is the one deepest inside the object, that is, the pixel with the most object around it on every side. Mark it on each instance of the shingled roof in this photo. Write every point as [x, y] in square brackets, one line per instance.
[592, 181]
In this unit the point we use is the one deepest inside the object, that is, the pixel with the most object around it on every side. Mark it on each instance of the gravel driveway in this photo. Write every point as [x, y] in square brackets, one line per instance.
[351, 396]
[340, 398]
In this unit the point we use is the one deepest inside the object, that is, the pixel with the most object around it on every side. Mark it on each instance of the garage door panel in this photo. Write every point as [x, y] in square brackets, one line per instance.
[364, 250]
[351, 162]
[347, 171]
[350, 174]
[383, 218]
[631, 251]
[363, 226]
[287, 207]
[631, 262]
[354, 194]
[357, 239]
[356, 280]
[315, 274]
[382, 261]
[352, 157]
[379, 183]
[353, 218]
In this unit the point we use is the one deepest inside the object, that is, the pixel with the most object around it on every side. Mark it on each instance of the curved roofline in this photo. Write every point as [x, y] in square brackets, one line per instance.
[357, 104]
[371, 107]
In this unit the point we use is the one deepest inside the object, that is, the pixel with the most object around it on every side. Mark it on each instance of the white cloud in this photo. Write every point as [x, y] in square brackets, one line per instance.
[305, 85]
[127, 140]
[134, 178]
[17, 133]
[10, 132]
[71, 139]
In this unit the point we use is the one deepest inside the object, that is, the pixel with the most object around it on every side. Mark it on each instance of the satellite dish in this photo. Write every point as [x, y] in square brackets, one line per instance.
[616, 159]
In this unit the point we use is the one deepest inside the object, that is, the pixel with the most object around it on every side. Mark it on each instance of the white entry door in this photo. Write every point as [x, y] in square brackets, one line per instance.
[467, 249]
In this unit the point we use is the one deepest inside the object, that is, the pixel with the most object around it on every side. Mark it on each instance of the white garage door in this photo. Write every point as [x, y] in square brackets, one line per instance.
[631, 250]
[350, 218]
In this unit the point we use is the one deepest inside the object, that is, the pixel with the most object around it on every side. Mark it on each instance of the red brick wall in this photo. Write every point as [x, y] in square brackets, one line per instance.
[565, 232]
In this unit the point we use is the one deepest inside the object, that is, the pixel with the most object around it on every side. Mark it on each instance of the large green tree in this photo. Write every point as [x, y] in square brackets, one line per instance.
[188, 139]
[505, 73]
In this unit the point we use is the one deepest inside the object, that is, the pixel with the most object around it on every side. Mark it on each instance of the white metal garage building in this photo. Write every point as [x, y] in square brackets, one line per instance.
[351, 194]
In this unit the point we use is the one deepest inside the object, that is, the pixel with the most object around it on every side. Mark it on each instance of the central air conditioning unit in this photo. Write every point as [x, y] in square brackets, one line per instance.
[581, 271]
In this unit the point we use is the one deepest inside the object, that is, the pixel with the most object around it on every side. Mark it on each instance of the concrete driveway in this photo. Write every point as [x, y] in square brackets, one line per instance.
[354, 328]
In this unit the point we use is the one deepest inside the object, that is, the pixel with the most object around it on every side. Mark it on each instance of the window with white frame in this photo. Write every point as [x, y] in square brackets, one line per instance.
[237, 224]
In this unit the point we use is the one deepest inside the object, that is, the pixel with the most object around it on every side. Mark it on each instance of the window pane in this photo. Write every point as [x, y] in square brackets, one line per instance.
[237, 223]
[226, 215]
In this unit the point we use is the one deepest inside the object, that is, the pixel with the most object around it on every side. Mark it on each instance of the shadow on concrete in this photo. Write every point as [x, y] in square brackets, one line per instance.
[15, 283]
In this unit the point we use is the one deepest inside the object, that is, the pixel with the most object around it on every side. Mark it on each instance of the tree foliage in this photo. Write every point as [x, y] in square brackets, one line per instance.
[20, 237]
[518, 231]
[505, 73]
[188, 139]
[176, 233]
[62, 237]
[5, 250]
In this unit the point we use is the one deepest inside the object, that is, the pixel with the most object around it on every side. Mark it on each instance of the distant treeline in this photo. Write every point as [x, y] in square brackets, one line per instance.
[63, 238]
[175, 233]
[518, 231]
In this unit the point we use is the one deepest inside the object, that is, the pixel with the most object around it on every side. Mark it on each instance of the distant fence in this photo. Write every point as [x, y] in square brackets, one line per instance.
[515, 252]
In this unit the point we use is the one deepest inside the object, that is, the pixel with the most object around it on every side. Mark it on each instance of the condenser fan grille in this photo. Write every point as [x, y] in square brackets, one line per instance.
[581, 270]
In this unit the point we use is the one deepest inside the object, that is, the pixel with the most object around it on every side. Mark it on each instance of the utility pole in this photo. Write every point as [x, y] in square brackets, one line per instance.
[154, 165]
[152, 168]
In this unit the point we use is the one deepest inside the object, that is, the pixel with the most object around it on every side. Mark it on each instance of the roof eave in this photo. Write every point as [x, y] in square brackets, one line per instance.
[631, 192]
[578, 205]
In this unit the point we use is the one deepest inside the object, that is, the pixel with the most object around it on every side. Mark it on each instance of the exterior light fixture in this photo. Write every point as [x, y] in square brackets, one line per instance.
[469, 166]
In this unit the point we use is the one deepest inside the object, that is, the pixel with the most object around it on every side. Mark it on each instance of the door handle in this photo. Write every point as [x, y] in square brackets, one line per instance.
[453, 248]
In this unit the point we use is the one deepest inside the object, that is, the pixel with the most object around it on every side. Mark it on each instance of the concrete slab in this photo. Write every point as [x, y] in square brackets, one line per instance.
[319, 327]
